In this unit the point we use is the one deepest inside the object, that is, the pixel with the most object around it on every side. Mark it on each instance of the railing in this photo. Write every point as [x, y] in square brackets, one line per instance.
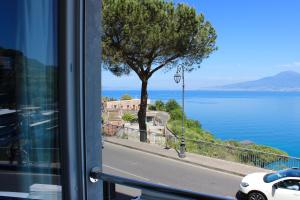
[242, 155]
[133, 134]
[221, 151]
[150, 190]
[236, 154]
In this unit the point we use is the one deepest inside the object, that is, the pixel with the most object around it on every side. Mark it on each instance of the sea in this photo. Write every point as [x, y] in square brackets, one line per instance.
[268, 118]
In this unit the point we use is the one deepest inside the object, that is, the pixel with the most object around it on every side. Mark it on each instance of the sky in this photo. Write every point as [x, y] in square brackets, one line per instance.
[256, 38]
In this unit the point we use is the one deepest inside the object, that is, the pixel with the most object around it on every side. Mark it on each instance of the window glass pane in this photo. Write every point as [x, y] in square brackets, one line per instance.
[206, 83]
[290, 184]
[29, 134]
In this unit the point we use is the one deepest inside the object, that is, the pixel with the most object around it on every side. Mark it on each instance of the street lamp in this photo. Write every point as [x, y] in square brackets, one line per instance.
[177, 78]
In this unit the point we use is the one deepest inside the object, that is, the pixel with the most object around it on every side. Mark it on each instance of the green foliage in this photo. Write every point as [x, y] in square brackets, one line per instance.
[159, 105]
[105, 99]
[190, 123]
[152, 107]
[267, 149]
[126, 97]
[174, 109]
[191, 133]
[176, 114]
[193, 129]
[139, 35]
[256, 147]
[129, 117]
[172, 105]
[209, 146]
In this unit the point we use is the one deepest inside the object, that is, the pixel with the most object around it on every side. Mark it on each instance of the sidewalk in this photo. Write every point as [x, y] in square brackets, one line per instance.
[191, 158]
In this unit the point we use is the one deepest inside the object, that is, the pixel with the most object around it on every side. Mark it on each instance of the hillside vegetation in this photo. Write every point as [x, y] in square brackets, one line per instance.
[203, 142]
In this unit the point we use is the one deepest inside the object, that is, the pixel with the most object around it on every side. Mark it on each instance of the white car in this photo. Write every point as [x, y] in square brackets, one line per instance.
[281, 185]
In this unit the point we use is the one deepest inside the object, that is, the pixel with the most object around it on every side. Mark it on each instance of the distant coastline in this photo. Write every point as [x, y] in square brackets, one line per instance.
[268, 118]
[202, 90]
[282, 82]
[248, 90]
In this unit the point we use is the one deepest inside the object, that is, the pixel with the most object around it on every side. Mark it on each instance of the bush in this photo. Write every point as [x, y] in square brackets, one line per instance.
[176, 114]
[126, 97]
[105, 99]
[172, 105]
[190, 123]
[128, 117]
[152, 107]
[159, 105]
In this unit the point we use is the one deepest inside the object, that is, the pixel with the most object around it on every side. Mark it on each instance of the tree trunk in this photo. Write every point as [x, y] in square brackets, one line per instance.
[142, 112]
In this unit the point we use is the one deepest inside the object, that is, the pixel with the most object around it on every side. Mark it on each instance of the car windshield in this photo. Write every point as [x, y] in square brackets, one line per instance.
[281, 174]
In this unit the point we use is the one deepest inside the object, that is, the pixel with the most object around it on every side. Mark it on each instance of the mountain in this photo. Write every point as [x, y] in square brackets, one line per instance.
[284, 81]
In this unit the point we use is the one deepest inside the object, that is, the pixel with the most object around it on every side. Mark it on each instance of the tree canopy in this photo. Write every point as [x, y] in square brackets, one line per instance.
[105, 99]
[172, 105]
[126, 97]
[147, 35]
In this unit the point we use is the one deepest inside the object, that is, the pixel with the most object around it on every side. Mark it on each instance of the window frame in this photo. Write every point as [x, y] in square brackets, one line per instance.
[79, 97]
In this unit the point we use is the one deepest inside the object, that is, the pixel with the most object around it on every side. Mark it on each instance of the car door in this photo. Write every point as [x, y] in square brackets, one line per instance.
[287, 190]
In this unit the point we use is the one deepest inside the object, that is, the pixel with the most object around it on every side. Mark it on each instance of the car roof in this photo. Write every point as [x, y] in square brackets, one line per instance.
[293, 172]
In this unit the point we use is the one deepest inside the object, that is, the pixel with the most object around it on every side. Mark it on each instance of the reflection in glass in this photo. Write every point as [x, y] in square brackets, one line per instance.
[29, 134]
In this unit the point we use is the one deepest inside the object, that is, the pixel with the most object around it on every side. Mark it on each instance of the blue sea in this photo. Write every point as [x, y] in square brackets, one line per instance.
[269, 118]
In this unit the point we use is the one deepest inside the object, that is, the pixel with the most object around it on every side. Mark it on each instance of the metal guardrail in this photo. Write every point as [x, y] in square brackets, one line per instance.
[252, 157]
[241, 155]
[133, 134]
[151, 190]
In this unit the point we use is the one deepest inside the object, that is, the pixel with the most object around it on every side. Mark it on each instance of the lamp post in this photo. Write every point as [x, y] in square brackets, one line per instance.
[177, 78]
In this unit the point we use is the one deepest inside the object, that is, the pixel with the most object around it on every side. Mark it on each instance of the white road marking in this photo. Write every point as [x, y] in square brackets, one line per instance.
[125, 172]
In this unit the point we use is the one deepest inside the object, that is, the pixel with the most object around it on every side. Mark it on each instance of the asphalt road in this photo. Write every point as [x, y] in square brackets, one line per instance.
[131, 163]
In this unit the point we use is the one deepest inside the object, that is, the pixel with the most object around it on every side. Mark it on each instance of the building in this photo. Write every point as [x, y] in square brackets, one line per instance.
[133, 105]
[113, 110]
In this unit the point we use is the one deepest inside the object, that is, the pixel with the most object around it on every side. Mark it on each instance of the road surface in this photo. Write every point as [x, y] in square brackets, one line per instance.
[134, 164]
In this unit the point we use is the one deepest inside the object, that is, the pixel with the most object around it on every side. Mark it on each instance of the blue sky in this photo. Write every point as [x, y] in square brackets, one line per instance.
[256, 38]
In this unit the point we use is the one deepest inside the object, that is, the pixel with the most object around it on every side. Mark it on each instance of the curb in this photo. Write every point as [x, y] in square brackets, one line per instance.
[179, 159]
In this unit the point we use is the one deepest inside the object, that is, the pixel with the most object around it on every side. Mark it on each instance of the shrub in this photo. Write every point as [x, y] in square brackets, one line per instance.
[105, 99]
[172, 105]
[151, 107]
[176, 114]
[128, 117]
[126, 97]
[190, 123]
[159, 105]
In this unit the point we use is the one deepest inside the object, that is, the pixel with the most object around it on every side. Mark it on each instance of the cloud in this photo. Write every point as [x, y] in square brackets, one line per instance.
[294, 64]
